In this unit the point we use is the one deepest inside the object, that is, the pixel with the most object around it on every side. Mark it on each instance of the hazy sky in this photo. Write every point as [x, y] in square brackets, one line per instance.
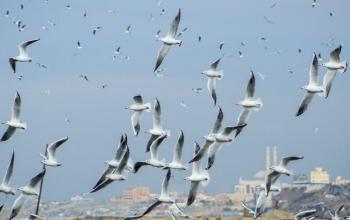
[98, 116]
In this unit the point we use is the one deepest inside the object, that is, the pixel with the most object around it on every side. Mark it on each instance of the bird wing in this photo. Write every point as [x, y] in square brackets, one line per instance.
[103, 176]
[214, 147]
[251, 86]
[124, 161]
[138, 165]
[193, 192]
[102, 185]
[242, 119]
[22, 47]
[228, 130]
[334, 55]
[155, 145]
[286, 160]
[165, 183]
[174, 25]
[8, 133]
[337, 211]
[17, 205]
[305, 103]
[328, 80]
[270, 179]
[313, 73]
[138, 99]
[247, 208]
[148, 210]
[157, 123]
[214, 65]
[135, 121]
[201, 151]
[179, 147]
[16, 108]
[36, 179]
[51, 149]
[197, 165]
[150, 141]
[161, 54]
[218, 122]
[211, 88]
[9, 171]
[13, 64]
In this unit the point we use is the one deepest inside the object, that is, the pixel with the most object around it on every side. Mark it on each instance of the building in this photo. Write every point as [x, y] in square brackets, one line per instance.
[319, 176]
[137, 194]
[340, 181]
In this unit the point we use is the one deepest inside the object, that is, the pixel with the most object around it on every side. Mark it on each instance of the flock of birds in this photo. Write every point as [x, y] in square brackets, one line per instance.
[214, 140]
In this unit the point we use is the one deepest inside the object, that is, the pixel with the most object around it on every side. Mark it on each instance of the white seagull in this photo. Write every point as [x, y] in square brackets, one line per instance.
[4, 187]
[176, 163]
[248, 103]
[23, 55]
[163, 198]
[210, 138]
[333, 65]
[138, 107]
[312, 88]
[198, 175]
[14, 122]
[28, 190]
[115, 174]
[276, 171]
[154, 161]
[168, 41]
[50, 156]
[213, 73]
[157, 129]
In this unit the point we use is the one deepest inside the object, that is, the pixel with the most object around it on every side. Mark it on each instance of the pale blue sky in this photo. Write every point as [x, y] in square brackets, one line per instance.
[98, 116]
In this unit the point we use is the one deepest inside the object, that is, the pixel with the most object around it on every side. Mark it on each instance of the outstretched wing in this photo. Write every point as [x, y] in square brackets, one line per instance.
[161, 55]
[305, 103]
[174, 25]
[193, 192]
[9, 170]
[35, 180]
[8, 133]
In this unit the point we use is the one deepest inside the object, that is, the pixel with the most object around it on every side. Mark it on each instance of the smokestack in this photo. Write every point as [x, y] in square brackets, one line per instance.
[267, 158]
[274, 156]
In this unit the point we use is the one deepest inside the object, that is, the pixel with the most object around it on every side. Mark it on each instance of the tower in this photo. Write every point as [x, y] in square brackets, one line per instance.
[274, 156]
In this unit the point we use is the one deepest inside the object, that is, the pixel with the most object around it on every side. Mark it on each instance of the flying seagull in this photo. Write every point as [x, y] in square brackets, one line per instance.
[213, 73]
[157, 129]
[163, 197]
[50, 156]
[312, 88]
[276, 171]
[176, 163]
[220, 139]
[14, 122]
[23, 55]
[335, 215]
[333, 65]
[4, 187]
[198, 175]
[168, 41]
[138, 107]
[116, 173]
[210, 138]
[154, 161]
[28, 190]
[248, 103]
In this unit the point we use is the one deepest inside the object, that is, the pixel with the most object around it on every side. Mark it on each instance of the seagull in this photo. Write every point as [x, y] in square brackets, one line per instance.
[276, 171]
[50, 156]
[26, 191]
[4, 187]
[248, 103]
[210, 138]
[197, 90]
[41, 65]
[333, 65]
[336, 216]
[198, 175]
[213, 73]
[157, 34]
[114, 163]
[157, 129]
[162, 12]
[168, 41]
[199, 38]
[94, 31]
[14, 122]
[221, 44]
[79, 45]
[176, 163]
[127, 29]
[154, 161]
[312, 88]
[182, 32]
[307, 214]
[163, 197]
[183, 104]
[138, 107]
[84, 77]
[23, 55]
[240, 54]
[220, 139]
[115, 174]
